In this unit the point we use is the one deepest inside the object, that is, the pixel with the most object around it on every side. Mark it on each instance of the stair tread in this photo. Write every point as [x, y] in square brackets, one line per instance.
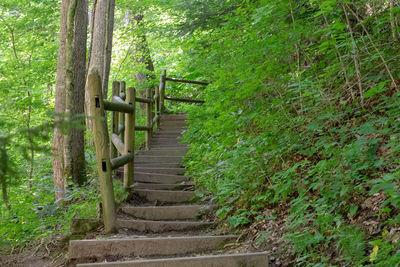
[142, 247]
[255, 259]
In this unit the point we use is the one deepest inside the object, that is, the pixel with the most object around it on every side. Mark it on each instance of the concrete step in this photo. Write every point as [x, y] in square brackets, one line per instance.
[172, 129]
[158, 178]
[151, 186]
[257, 259]
[153, 152]
[167, 138]
[142, 247]
[173, 124]
[161, 170]
[171, 146]
[158, 165]
[153, 159]
[182, 212]
[166, 195]
[165, 141]
[181, 116]
[170, 133]
[176, 136]
[147, 226]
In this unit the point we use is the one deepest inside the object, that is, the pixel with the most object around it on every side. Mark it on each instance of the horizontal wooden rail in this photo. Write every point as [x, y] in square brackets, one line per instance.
[186, 81]
[121, 160]
[120, 107]
[142, 128]
[118, 143]
[187, 100]
[143, 100]
[122, 96]
[118, 99]
[121, 129]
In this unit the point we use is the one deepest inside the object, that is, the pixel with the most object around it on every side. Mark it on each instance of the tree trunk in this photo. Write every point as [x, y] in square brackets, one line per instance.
[97, 51]
[109, 36]
[78, 95]
[141, 56]
[69, 86]
[58, 139]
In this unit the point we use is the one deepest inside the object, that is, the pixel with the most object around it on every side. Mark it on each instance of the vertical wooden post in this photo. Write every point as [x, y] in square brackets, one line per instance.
[114, 121]
[157, 106]
[121, 114]
[162, 90]
[149, 118]
[102, 152]
[129, 137]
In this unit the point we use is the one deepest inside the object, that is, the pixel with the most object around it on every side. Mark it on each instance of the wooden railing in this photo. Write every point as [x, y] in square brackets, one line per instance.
[118, 148]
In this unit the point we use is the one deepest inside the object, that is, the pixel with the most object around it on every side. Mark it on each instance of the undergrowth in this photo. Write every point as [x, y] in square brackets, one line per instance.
[286, 130]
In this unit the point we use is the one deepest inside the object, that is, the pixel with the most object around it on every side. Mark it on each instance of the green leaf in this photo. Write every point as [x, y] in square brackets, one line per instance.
[376, 90]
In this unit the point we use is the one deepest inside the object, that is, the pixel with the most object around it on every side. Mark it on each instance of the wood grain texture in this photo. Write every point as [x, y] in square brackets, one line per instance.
[114, 121]
[162, 90]
[118, 144]
[122, 91]
[129, 137]
[149, 120]
[102, 152]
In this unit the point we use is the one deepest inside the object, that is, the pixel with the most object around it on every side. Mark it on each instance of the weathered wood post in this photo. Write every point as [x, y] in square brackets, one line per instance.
[162, 90]
[129, 137]
[149, 119]
[102, 152]
[114, 121]
[122, 91]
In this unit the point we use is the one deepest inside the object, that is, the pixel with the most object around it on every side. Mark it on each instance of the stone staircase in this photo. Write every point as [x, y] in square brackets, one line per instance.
[162, 225]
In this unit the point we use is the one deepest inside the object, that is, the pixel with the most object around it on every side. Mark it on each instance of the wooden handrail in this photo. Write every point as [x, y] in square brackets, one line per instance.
[121, 140]
[122, 96]
[121, 129]
[102, 152]
[143, 100]
[122, 160]
[117, 142]
[129, 138]
[118, 99]
[186, 81]
[120, 107]
[114, 120]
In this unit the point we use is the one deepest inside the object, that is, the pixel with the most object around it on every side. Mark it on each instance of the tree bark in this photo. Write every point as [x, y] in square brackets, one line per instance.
[108, 52]
[58, 139]
[141, 56]
[78, 172]
[69, 86]
[97, 51]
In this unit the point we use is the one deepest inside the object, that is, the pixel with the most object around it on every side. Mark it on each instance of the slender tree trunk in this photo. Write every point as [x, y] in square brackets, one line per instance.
[58, 139]
[89, 124]
[141, 56]
[69, 88]
[78, 95]
[97, 53]
[109, 36]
